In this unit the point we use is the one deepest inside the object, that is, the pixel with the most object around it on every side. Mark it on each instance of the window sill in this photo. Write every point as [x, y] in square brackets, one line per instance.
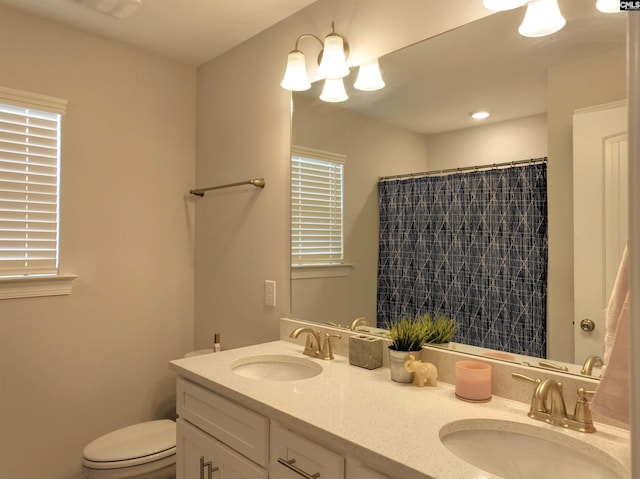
[36, 286]
[321, 271]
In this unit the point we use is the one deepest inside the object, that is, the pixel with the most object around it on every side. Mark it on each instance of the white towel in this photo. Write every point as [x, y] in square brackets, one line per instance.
[612, 394]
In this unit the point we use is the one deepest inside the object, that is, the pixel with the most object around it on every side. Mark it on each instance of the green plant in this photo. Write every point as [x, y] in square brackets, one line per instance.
[441, 329]
[409, 333]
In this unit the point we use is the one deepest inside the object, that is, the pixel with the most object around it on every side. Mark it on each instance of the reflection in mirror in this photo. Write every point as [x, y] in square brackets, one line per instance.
[420, 122]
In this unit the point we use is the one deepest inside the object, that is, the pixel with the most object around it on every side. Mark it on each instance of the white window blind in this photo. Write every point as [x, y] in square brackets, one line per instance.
[316, 207]
[29, 183]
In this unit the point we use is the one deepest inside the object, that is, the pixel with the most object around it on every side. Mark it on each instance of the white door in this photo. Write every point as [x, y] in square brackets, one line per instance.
[600, 228]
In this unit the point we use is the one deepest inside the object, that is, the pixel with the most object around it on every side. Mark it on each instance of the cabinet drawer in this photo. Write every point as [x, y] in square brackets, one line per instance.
[306, 456]
[355, 470]
[234, 425]
[196, 447]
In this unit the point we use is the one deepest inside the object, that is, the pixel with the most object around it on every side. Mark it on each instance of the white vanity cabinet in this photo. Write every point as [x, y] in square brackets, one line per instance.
[221, 439]
[231, 437]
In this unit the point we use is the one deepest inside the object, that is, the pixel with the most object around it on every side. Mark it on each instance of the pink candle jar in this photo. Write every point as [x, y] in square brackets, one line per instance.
[473, 381]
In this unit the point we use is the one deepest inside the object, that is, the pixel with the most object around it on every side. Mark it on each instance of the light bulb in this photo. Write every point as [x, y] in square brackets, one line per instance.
[369, 77]
[295, 77]
[333, 63]
[480, 115]
[333, 91]
[542, 18]
[500, 5]
[608, 6]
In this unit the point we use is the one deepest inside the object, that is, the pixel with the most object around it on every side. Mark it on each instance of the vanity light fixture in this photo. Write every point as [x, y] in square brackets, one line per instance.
[608, 6]
[542, 18]
[333, 91]
[369, 77]
[332, 68]
[480, 114]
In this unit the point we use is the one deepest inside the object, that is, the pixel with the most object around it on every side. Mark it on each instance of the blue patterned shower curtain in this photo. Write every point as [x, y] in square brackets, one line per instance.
[472, 246]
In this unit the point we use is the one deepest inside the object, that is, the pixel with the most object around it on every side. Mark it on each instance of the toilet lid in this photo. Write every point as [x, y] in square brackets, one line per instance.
[137, 444]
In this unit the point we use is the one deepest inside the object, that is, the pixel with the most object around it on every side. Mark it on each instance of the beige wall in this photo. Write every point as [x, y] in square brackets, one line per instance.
[373, 149]
[487, 144]
[242, 237]
[74, 367]
[591, 81]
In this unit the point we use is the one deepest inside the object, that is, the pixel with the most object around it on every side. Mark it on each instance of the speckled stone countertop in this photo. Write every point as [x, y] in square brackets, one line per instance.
[394, 428]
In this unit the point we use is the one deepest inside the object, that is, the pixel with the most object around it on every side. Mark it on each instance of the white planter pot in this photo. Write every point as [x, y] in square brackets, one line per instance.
[396, 365]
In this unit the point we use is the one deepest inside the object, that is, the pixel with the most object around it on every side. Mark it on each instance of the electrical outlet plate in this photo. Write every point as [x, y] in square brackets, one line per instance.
[270, 293]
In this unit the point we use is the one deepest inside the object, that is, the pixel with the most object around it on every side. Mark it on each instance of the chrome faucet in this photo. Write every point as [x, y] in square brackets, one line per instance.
[360, 322]
[590, 363]
[547, 404]
[315, 346]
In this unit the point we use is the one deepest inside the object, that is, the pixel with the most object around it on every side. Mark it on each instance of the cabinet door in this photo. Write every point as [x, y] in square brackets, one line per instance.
[242, 430]
[193, 444]
[303, 458]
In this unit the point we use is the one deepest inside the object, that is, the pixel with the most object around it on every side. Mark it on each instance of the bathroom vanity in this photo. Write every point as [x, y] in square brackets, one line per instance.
[341, 422]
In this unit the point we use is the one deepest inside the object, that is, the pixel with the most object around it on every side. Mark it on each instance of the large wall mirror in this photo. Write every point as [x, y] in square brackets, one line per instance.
[420, 122]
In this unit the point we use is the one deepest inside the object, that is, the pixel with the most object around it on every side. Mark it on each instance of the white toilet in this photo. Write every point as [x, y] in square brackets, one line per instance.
[142, 451]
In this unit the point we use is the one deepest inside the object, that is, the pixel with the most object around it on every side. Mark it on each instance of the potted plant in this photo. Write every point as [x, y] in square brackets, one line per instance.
[408, 335]
[441, 329]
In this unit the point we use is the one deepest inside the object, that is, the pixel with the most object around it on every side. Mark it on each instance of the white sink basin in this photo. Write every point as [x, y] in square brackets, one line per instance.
[275, 367]
[521, 451]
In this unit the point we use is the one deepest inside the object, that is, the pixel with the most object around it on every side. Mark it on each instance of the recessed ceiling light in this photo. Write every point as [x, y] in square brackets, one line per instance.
[479, 115]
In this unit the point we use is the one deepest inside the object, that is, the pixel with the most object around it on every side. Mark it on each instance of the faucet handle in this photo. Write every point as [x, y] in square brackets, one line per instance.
[582, 420]
[522, 377]
[549, 365]
[327, 350]
[537, 404]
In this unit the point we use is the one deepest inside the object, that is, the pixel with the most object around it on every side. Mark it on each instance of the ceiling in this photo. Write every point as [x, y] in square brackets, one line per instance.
[193, 31]
[447, 76]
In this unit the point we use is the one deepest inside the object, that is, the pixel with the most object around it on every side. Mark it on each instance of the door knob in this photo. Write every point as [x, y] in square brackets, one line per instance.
[587, 325]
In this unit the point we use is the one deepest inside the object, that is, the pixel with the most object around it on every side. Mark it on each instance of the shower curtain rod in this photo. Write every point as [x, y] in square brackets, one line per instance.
[257, 182]
[542, 159]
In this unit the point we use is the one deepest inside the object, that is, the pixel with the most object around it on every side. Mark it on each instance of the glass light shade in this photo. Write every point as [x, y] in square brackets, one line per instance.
[333, 91]
[500, 5]
[295, 77]
[542, 18]
[333, 63]
[608, 6]
[369, 77]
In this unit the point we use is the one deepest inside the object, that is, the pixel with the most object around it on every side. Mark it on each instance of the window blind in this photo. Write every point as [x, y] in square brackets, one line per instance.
[29, 187]
[316, 207]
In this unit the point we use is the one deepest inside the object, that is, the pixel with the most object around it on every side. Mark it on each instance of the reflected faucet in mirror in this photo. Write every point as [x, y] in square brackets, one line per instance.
[590, 363]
